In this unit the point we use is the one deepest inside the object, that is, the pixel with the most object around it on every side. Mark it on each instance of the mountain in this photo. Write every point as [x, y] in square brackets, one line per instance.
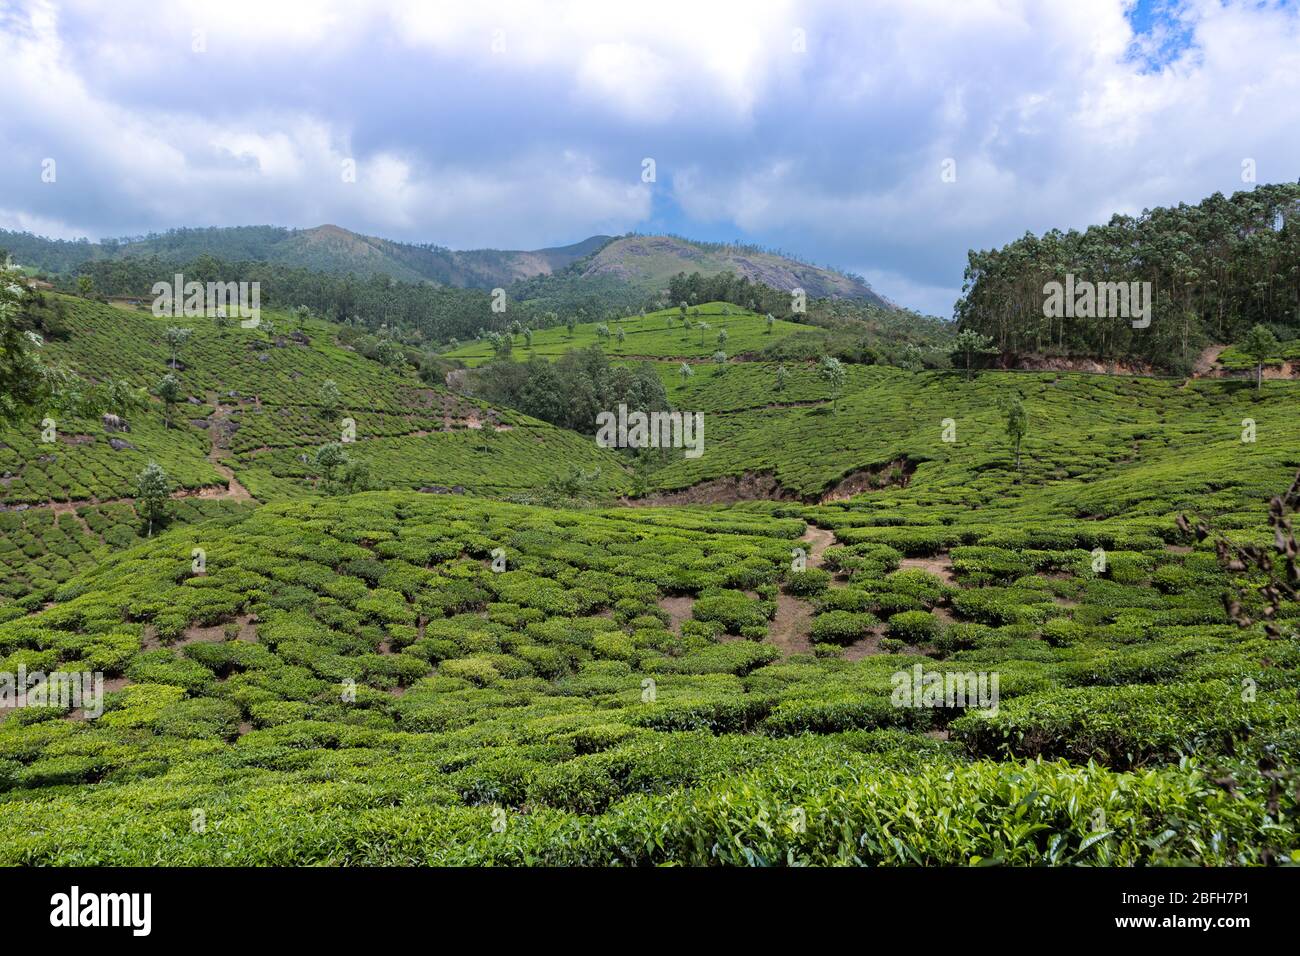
[644, 263]
[650, 261]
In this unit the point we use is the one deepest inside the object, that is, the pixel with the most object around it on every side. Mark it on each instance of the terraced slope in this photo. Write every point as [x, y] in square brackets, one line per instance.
[250, 412]
[659, 336]
[1139, 433]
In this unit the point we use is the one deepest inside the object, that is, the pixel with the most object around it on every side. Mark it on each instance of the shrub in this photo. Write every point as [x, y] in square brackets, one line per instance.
[913, 627]
[807, 583]
[841, 627]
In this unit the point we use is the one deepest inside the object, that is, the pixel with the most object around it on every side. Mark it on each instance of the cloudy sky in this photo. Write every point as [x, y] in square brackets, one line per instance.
[820, 128]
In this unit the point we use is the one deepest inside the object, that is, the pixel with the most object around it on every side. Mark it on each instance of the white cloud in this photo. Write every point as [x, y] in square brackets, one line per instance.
[834, 152]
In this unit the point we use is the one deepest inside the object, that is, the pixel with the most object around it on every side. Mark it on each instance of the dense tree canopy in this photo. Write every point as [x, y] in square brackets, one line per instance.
[1216, 269]
[571, 391]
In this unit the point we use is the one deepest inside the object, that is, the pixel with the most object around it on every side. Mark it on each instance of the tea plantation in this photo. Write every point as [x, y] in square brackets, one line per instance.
[708, 675]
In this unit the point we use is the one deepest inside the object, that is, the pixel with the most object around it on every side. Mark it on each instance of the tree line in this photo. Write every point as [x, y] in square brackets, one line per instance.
[1216, 269]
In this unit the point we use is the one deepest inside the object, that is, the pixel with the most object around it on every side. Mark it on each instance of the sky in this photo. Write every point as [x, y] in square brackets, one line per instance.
[884, 137]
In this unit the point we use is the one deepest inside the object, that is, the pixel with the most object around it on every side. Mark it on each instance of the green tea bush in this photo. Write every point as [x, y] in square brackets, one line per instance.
[842, 627]
[913, 627]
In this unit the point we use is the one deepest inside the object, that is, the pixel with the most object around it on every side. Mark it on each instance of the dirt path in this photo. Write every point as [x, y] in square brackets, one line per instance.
[792, 625]
[234, 490]
[1208, 358]
[939, 565]
[68, 508]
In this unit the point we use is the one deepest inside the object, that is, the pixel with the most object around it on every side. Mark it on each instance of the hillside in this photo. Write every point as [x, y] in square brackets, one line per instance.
[249, 411]
[350, 682]
[658, 335]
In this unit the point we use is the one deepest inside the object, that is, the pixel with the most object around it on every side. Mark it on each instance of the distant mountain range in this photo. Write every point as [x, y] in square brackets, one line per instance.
[643, 262]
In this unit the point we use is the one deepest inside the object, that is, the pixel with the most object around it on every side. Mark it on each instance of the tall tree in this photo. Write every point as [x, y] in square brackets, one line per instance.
[169, 390]
[152, 493]
[1259, 346]
[1017, 423]
[968, 345]
[831, 369]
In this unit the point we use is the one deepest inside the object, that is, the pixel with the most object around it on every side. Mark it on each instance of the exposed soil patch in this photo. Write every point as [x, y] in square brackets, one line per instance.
[678, 610]
[818, 540]
[940, 565]
[247, 630]
[791, 626]
[1207, 360]
[1031, 362]
[896, 474]
[149, 640]
[751, 486]
[764, 486]
[196, 634]
[864, 648]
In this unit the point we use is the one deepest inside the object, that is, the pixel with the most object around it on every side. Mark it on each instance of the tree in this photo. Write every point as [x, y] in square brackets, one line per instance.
[781, 376]
[1259, 346]
[169, 390]
[302, 314]
[681, 307]
[704, 327]
[391, 354]
[121, 397]
[969, 344]
[176, 339]
[570, 325]
[27, 384]
[329, 397]
[355, 476]
[1017, 421]
[528, 338]
[221, 321]
[911, 358]
[622, 335]
[832, 370]
[720, 358]
[722, 337]
[685, 371]
[771, 323]
[85, 286]
[602, 331]
[152, 493]
[329, 458]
